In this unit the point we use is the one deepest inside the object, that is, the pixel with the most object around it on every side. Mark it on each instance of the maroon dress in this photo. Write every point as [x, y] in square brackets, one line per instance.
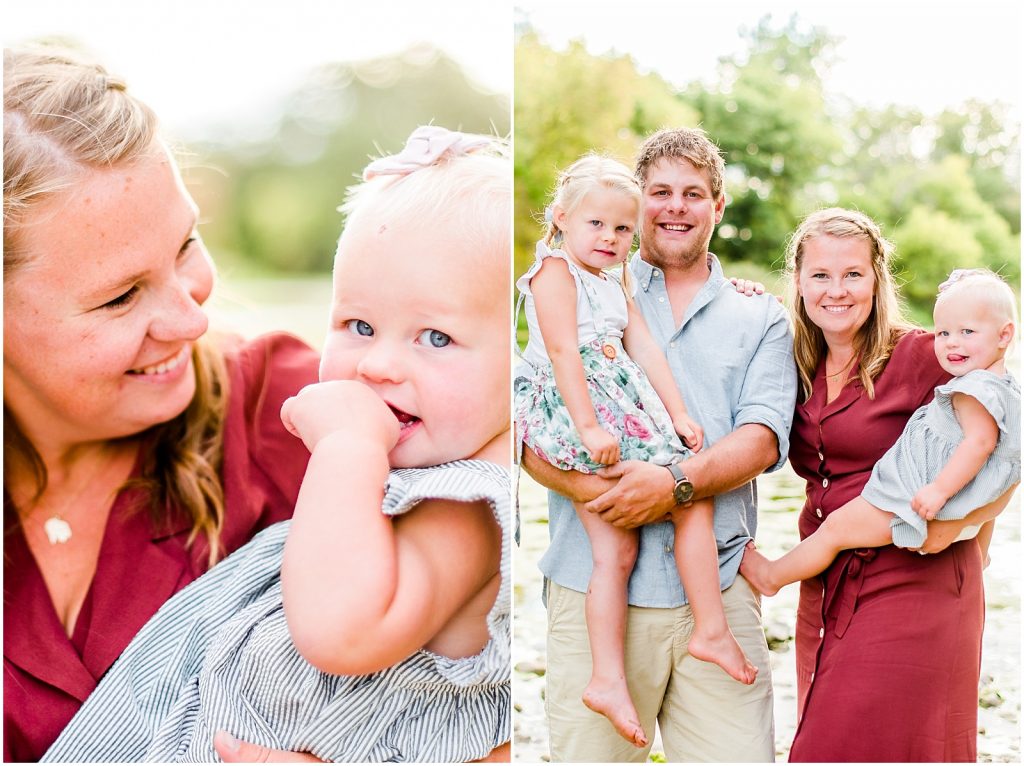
[47, 675]
[888, 641]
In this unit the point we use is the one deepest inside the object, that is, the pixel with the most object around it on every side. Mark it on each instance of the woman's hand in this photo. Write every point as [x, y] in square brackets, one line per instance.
[747, 286]
[689, 431]
[321, 409]
[602, 446]
[941, 534]
[232, 750]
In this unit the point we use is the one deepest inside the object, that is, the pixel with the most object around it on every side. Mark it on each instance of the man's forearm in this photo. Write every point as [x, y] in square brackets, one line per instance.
[733, 461]
[578, 487]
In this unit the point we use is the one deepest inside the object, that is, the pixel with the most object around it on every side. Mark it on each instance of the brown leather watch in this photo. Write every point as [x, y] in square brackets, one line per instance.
[682, 492]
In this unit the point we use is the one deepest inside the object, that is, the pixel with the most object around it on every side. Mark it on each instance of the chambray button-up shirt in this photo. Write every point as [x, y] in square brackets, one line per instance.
[732, 357]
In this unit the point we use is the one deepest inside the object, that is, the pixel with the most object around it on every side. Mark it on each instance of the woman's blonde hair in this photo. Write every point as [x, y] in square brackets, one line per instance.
[885, 324]
[589, 172]
[63, 117]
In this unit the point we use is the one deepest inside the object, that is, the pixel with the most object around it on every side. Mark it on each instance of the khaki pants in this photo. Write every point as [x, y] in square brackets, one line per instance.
[704, 715]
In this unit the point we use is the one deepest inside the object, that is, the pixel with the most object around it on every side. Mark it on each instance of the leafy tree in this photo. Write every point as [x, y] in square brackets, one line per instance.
[273, 202]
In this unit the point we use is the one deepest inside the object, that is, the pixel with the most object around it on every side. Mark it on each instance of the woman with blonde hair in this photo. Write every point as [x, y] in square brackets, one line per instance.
[878, 621]
[137, 452]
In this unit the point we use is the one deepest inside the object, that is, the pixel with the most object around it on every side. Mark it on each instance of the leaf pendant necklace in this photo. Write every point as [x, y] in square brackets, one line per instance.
[57, 529]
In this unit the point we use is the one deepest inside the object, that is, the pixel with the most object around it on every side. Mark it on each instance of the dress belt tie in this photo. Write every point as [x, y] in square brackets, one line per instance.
[848, 585]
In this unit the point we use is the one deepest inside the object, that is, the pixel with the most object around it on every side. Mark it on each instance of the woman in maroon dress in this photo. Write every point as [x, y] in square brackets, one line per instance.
[888, 641]
[136, 451]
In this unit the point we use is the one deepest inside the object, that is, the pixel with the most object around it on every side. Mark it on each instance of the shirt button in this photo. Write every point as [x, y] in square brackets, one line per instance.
[668, 549]
[821, 456]
[821, 633]
[661, 299]
[654, 272]
[817, 512]
[824, 482]
[672, 344]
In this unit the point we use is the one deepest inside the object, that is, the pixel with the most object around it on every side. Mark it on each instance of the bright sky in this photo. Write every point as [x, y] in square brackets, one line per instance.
[925, 54]
[203, 62]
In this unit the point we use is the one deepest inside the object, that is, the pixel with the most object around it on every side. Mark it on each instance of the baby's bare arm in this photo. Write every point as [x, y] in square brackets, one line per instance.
[981, 433]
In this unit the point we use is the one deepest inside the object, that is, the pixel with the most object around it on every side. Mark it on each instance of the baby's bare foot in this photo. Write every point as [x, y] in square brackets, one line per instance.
[614, 703]
[756, 569]
[723, 650]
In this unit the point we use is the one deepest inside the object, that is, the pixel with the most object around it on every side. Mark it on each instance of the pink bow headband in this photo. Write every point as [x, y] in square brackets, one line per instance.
[426, 145]
[956, 275]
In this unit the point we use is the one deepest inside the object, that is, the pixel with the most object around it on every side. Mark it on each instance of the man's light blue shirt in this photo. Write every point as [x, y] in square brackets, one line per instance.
[732, 357]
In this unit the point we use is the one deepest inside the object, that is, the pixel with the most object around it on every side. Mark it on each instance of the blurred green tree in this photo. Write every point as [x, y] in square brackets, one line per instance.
[272, 203]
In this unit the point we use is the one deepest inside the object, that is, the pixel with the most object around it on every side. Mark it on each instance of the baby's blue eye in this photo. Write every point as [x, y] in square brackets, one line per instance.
[359, 327]
[968, 331]
[435, 338]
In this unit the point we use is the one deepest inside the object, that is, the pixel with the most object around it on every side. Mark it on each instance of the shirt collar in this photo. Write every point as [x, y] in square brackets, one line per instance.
[645, 273]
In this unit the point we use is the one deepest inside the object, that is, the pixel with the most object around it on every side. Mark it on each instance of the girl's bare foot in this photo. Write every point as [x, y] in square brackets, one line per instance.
[756, 569]
[723, 650]
[612, 700]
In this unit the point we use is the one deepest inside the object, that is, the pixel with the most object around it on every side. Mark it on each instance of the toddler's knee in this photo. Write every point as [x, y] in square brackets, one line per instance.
[619, 558]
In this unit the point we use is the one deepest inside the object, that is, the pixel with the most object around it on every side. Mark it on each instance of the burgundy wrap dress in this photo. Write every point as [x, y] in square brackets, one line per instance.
[47, 675]
[888, 641]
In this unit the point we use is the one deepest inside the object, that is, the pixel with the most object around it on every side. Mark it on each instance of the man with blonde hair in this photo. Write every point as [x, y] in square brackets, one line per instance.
[731, 356]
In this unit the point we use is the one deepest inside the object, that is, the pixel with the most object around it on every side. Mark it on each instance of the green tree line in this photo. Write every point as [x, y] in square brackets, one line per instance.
[270, 205]
[945, 187]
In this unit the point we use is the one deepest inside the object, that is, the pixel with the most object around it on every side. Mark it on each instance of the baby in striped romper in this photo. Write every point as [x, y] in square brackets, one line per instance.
[350, 633]
[957, 458]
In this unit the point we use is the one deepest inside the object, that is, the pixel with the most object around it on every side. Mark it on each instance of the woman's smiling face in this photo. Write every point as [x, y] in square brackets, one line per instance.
[836, 283]
[101, 317]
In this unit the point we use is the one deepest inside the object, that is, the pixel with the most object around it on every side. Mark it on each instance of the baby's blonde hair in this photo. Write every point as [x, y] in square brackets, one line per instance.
[985, 285]
[470, 192]
[589, 172]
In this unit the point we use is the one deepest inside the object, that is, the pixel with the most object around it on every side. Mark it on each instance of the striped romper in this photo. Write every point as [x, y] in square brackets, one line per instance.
[218, 656]
[931, 436]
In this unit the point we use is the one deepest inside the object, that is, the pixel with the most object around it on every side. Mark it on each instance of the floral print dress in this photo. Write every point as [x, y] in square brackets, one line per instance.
[625, 403]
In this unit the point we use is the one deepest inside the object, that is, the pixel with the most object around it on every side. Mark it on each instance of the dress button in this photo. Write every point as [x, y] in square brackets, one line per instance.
[821, 456]
[824, 482]
[821, 633]
[817, 512]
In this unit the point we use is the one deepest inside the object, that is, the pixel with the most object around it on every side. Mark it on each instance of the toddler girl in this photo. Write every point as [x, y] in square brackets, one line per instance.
[589, 403]
[957, 454]
[374, 626]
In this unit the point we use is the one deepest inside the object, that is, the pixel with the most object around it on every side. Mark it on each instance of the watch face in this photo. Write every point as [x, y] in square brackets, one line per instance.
[683, 491]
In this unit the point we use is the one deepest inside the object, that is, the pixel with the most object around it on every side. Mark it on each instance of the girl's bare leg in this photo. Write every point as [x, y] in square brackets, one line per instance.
[858, 524]
[614, 552]
[697, 560]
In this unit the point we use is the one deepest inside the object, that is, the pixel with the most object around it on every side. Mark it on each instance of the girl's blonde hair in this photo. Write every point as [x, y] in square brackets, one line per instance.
[469, 192]
[984, 284]
[885, 324]
[589, 172]
[64, 117]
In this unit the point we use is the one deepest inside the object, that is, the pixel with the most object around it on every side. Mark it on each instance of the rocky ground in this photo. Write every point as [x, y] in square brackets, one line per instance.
[781, 495]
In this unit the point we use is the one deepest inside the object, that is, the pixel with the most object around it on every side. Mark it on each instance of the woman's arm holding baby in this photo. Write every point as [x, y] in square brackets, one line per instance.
[361, 590]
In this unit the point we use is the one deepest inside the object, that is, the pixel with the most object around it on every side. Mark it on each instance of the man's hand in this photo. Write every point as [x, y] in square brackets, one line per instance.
[643, 494]
[232, 750]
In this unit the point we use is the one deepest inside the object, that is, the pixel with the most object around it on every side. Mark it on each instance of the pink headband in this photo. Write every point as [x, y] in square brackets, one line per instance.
[426, 145]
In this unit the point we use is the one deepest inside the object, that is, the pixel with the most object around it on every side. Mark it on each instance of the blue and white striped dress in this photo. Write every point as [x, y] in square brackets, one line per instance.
[218, 656]
[928, 441]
